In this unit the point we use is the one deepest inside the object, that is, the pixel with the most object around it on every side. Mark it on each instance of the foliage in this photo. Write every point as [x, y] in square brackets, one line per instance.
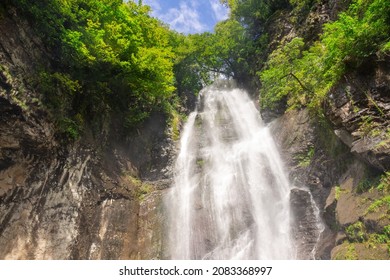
[371, 180]
[203, 57]
[111, 57]
[383, 202]
[384, 183]
[302, 4]
[143, 191]
[348, 252]
[254, 14]
[305, 76]
[356, 232]
[280, 70]
[139, 189]
[338, 192]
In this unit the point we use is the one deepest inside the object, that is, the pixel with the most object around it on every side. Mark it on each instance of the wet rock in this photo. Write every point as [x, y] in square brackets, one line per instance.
[332, 174]
[329, 213]
[152, 222]
[307, 228]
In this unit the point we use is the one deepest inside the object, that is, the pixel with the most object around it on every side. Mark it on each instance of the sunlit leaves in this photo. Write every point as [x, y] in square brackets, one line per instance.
[305, 76]
[122, 56]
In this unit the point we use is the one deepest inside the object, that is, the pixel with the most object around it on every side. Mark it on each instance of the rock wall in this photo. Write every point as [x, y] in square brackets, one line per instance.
[340, 159]
[359, 109]
[333, 173]
[96, 198]
[101, 197]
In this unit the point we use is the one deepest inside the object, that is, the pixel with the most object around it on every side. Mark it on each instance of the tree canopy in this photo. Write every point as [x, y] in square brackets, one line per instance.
[112, 57]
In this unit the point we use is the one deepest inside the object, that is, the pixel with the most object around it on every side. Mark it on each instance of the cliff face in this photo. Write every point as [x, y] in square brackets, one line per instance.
[344, 161]
[101, 197]
[359, 109]
[87, 199]
[343, 157]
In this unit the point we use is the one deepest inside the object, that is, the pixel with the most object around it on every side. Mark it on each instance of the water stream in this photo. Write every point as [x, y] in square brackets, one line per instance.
[230, 198]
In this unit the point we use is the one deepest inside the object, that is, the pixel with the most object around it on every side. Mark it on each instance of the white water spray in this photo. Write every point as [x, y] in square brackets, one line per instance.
[230, 198]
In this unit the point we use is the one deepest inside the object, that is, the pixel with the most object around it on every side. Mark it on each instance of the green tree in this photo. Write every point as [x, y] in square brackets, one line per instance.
[119, 55]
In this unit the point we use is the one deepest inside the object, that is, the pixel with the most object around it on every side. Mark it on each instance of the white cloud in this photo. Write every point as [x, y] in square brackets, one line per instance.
[184, 19]
[220, 12]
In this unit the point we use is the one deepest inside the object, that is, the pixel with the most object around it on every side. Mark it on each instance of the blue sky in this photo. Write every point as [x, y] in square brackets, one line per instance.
[188, 16]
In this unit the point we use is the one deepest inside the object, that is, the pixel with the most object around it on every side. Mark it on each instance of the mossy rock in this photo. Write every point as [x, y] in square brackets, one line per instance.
[361, 251]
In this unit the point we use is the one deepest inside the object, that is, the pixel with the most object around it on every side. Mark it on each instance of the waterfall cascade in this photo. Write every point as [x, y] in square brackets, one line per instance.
[230, 198]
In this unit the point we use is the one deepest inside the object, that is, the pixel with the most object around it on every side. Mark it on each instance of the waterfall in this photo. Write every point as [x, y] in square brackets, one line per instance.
[230, 196]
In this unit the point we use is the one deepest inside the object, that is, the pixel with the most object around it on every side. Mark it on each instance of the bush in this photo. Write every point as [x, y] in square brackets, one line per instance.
[305, 76]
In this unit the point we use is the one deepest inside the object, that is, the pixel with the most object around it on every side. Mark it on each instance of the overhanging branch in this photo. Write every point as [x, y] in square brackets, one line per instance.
[299, 82]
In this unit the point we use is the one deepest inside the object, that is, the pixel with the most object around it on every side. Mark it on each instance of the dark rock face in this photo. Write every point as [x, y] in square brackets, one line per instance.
[359, 108]
[68, 203]
[305, 149]
[82, 200]
[334, 156]
[318, 160]
[307, 229]
[356, 223]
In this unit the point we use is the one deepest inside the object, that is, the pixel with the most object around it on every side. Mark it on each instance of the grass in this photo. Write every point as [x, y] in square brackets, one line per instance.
[379, 203]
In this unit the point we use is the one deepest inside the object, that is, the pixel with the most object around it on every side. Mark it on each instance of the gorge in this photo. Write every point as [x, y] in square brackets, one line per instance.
[106, 154]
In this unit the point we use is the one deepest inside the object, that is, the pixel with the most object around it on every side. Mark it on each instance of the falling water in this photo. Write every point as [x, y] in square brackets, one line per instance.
[230, 198]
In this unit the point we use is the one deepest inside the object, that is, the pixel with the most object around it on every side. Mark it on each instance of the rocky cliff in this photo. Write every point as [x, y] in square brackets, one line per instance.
[341, 156]
[343, 160]
[95, 198]
[100, 197]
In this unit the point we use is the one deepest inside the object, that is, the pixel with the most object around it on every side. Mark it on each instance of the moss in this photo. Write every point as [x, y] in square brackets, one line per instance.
[140, 189]
[383, 144]
[351, 253]
[378, 204]
[377, 238]
[385, 140]
[366, 125]
[175, 125]
[347, 251]
[331, 144]
[384, 184]
[369, 250]
[305, 159]
[21, 103]
[338, 192]
[143, 191]
[380, 182]
[135, 181]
